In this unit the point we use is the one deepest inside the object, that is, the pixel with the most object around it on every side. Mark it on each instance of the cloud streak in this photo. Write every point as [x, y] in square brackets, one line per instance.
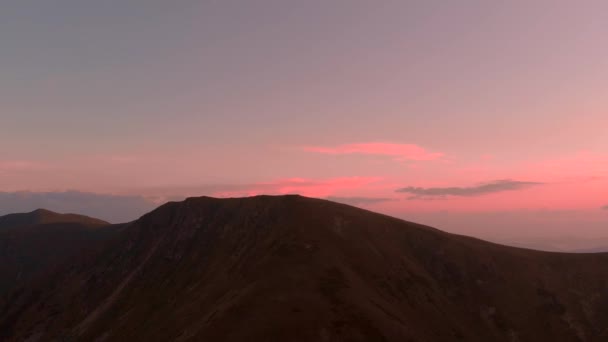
[399, 152]
[605, 207]
[477, 190]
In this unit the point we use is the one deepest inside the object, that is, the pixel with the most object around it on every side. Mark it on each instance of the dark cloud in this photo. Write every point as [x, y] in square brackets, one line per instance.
[605, 207]
[112, 208]
[359, 200]
[481, 189]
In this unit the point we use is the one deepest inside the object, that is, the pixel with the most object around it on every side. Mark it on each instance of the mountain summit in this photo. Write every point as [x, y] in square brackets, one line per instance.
[290, 268]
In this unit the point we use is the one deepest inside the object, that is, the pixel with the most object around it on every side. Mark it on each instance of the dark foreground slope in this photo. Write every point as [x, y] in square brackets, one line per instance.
[297, 269]
[35, 242]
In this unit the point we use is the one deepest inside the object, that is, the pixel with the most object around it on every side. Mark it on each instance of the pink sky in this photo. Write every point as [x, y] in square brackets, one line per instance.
[411, 108]
[576, 181]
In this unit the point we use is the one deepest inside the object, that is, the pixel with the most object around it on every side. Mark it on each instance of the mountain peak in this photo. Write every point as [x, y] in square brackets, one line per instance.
[42, 210]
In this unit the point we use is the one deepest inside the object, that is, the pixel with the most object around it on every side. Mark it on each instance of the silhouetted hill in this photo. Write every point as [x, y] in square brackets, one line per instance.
[35, 242]
[42, 216]
[291, 268]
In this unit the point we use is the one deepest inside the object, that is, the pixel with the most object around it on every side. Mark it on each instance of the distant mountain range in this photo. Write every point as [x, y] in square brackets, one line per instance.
[290, 268]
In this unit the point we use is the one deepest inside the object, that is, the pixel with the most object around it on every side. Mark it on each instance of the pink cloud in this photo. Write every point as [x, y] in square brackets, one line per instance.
[302, 186]
[574, 181]
[398, 151]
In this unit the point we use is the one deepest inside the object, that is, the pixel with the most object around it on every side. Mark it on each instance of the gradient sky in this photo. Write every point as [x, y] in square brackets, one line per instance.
[481, 117]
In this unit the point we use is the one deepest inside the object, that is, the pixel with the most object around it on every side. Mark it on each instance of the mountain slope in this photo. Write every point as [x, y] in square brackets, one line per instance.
[291, 268]
[34, 242]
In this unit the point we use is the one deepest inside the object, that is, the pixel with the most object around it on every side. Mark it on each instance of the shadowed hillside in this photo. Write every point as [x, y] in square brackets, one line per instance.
[35, 242]
[291, 268]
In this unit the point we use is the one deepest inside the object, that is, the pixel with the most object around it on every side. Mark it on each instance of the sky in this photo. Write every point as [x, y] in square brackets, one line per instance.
[485, 118]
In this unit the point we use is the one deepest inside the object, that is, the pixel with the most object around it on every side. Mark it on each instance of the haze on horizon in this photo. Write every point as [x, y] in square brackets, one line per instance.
[479, 117]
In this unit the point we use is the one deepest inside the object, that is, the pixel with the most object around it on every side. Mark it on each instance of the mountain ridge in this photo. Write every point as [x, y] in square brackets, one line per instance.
[294, 268]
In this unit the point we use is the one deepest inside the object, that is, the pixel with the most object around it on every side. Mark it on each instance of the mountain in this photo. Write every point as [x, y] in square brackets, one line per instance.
[290, 268]
[42, 216]
[34, 242]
